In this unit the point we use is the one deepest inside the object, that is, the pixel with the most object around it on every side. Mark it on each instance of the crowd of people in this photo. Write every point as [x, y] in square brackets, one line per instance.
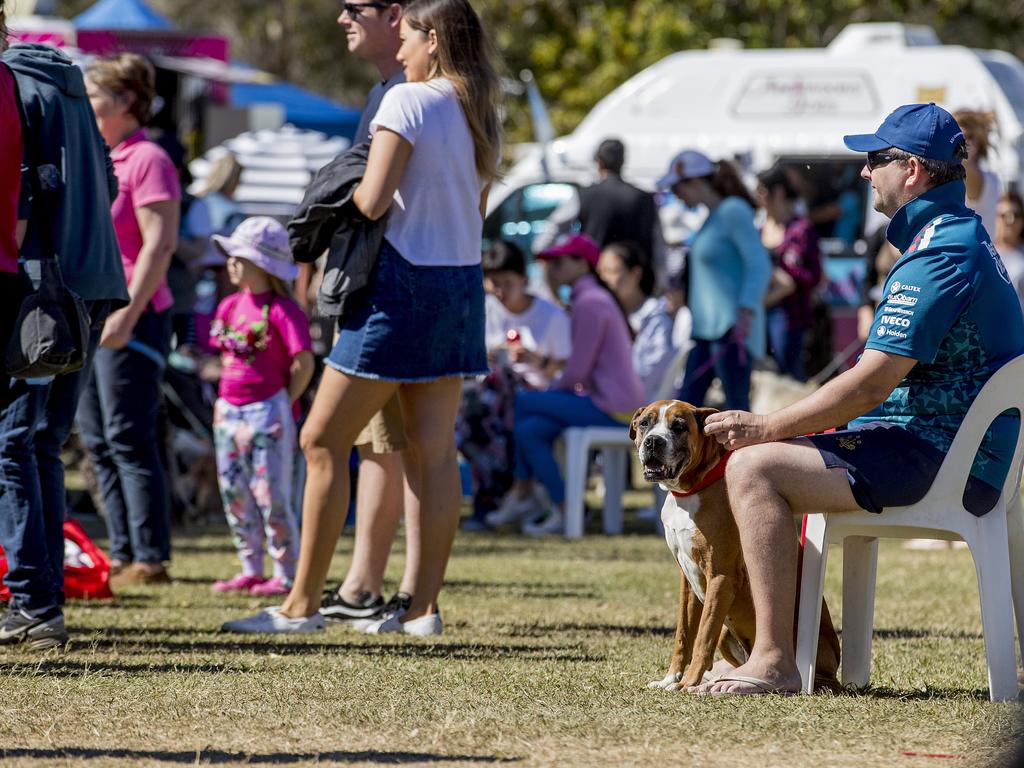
[447, 350]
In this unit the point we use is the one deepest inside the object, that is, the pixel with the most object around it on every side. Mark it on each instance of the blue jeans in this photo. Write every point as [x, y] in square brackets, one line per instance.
[119, 420]
[540, 418]
[787, 344]
[35, 421]
[720, 358]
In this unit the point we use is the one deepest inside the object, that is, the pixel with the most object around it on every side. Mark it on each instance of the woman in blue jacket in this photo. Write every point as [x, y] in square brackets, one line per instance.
[729, 272]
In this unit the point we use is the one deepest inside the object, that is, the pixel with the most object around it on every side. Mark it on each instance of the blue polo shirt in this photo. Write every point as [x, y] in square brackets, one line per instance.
[949, 304]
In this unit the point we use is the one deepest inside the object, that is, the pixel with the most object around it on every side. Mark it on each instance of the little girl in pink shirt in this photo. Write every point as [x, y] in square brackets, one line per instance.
[266, 364]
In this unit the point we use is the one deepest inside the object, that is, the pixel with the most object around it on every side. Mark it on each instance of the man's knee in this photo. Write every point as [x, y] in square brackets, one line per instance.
[749, 465]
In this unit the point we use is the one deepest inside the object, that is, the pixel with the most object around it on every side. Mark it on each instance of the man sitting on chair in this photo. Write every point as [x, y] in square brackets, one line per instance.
[948, 320]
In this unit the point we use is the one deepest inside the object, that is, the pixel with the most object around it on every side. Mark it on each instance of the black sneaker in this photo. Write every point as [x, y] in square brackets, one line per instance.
[40, 631]
[400, 601]
[336, 608]
[397, 605]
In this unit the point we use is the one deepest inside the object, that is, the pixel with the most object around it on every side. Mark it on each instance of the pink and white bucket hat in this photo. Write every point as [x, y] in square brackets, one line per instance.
[263, 241]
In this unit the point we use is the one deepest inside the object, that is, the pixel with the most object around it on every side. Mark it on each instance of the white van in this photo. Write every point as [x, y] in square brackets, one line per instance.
[766, 106]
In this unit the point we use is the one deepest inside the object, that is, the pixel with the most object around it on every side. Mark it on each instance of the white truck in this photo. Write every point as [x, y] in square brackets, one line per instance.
[760, 107]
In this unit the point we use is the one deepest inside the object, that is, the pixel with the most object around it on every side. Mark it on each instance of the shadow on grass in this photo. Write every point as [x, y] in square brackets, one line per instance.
[69, 668]
[216, 756]
[903, 633]
[123, 645]
[929, 694]
[542, 630]
[529, 589]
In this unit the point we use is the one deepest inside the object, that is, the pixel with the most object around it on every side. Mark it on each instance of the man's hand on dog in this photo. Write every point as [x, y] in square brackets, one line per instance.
[736, 429]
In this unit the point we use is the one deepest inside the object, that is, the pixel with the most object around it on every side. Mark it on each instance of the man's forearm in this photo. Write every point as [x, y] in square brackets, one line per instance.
[838, 402]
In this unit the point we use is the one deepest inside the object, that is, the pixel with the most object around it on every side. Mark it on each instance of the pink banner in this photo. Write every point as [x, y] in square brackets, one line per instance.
[106, 42]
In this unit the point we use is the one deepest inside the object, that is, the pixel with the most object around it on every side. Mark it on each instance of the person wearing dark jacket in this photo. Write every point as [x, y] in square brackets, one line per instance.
[64, 212]
[614, 211]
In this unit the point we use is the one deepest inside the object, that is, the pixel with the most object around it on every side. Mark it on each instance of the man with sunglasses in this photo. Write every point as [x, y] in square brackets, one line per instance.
[947, 321]
[371, 31]
[372, 34]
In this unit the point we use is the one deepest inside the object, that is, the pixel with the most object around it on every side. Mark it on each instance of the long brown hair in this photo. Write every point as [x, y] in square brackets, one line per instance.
[464, 58]
[726, 182]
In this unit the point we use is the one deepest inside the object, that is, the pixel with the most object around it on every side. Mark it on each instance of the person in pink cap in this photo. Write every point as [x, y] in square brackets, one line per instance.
[266, 364]
[597, 387]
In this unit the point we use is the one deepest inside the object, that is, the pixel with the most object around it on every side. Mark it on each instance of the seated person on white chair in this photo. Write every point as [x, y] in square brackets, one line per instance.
[948, 320]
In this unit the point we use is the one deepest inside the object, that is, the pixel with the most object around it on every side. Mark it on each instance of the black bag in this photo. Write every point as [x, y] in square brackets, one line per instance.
[51, 332]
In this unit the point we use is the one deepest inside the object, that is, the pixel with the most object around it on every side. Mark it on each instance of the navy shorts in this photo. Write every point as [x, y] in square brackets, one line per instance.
[889, 467]
[416, 324]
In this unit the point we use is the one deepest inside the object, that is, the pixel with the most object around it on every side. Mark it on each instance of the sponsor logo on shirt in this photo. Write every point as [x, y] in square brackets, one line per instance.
[902, 322]
[897, 286]
[898, 311]
[1000, 267]
[890, 332]
[902, 299]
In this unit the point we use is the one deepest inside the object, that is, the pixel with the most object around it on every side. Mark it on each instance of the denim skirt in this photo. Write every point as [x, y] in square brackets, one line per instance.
[416, 323]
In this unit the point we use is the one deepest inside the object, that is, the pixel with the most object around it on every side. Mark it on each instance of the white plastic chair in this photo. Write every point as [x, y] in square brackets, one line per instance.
[615, 446]
[939, 515]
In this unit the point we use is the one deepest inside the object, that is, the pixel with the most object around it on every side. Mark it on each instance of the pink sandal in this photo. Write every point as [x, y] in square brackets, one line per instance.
[243, 582]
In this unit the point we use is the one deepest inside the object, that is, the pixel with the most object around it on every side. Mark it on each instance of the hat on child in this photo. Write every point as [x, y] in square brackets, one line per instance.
[263, 241]
[688, 164]
[577, 245]
[924, 130]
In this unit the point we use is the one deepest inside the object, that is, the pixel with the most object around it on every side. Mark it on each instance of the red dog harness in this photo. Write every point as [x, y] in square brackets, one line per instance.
[717, 473]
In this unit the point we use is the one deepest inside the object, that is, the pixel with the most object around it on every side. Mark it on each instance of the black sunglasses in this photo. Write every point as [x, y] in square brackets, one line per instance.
[355, 9]
[880, 157]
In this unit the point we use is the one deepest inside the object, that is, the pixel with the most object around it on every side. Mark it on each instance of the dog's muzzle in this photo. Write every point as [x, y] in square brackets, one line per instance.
[659, 458]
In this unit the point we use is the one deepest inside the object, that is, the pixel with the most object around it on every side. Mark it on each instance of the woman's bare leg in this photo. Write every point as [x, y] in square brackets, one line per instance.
[342, 407]
[429, 411]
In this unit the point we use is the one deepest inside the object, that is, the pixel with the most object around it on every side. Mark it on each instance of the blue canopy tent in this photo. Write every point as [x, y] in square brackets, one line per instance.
[121, 14]
[301, 108]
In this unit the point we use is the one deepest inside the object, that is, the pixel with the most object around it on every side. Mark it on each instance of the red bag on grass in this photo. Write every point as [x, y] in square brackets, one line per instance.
[86, 567]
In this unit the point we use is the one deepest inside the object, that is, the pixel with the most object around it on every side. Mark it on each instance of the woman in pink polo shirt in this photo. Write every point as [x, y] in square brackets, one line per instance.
[119, 412]
[597, 387]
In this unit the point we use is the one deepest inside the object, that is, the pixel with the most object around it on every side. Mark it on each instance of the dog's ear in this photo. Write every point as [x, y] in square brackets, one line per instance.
[701, 414]
[633, 422]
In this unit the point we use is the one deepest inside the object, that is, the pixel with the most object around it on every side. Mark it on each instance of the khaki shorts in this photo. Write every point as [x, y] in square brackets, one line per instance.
[385, 433]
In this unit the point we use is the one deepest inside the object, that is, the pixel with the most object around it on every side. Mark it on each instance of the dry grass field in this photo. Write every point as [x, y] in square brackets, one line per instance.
[547, 651]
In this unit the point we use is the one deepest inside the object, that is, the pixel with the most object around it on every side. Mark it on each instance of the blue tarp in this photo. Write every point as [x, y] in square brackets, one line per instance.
[301, 108]
[121, 14]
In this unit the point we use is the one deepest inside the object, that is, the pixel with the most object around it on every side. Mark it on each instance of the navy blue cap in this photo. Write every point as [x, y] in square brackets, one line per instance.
[924, 130]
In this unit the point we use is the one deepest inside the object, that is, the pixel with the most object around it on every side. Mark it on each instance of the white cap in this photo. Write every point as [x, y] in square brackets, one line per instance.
[688, 164]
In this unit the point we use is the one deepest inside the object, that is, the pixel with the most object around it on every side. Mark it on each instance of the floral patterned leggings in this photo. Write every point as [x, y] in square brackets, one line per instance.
[255, 446]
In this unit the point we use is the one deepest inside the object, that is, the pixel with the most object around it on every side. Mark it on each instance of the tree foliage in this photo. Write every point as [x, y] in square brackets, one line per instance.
[577, 50]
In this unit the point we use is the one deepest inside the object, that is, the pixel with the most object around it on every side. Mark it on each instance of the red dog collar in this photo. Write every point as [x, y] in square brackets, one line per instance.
[717, 473]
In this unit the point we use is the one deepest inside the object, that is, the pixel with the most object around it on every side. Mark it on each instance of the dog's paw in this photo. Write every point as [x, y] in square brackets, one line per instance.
[669, 683]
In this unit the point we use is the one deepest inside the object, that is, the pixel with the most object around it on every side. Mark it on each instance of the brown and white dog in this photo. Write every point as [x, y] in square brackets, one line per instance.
[715, 605]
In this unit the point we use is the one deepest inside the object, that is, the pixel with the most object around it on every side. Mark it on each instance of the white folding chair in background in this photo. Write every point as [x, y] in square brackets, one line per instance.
[995, 540]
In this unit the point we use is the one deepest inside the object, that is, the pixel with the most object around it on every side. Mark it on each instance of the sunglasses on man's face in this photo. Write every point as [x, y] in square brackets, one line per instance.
[355, 9]
[880, 157]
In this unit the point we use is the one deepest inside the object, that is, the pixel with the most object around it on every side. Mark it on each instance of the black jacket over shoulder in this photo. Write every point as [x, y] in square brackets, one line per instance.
[327, 220]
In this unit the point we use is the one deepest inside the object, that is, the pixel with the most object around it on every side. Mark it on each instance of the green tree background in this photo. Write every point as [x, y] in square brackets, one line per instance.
[578, 51]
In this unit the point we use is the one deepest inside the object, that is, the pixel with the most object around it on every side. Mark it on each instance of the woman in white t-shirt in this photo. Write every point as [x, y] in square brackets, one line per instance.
[983, 189]
[420, 331]
[528, 340]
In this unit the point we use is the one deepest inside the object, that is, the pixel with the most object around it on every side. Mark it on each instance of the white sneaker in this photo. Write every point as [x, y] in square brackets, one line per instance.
[271, 621]
[424, 626]
[512, 510]
[391, 622]
[552, 525]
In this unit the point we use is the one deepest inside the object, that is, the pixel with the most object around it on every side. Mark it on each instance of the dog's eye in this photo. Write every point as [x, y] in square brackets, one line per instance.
[679, 426]
[645, 424]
